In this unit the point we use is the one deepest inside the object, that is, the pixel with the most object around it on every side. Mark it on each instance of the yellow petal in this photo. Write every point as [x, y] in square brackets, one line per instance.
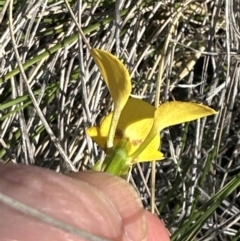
[172, 113]
[94, 133]
[117, 78]
[151, 153]
[134, 112]
[134, 125]
[135, 122]
[104, 130]
[176, 112]
[115, 74]
[105, 125]
[147, 151]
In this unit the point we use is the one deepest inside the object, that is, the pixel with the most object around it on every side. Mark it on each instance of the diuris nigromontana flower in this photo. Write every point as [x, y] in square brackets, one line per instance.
[130, 133]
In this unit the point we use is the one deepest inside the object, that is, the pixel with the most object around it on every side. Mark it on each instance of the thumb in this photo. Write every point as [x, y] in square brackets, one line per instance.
[124, 198]
[139, 224]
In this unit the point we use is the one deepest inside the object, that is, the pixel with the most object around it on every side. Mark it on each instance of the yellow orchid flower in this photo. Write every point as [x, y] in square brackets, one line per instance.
[118, 82]
[130, 133]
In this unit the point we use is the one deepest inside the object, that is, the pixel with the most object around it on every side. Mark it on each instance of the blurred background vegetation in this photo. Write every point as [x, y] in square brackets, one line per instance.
[183, 50]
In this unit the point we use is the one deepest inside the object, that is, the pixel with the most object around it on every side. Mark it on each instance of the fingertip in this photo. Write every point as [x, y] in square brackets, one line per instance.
[72, 201]
[156, 228]
[124, 198]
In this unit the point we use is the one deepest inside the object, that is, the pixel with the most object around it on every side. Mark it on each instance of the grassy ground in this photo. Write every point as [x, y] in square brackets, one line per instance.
[183, 50]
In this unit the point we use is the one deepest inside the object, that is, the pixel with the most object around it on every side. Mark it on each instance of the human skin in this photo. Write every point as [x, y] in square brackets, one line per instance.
[102, 204]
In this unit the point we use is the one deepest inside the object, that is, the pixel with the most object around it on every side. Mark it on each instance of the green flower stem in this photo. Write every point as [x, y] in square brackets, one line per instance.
[116, 162]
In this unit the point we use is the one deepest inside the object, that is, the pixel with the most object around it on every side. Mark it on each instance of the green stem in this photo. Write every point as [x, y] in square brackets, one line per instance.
[116, 162]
